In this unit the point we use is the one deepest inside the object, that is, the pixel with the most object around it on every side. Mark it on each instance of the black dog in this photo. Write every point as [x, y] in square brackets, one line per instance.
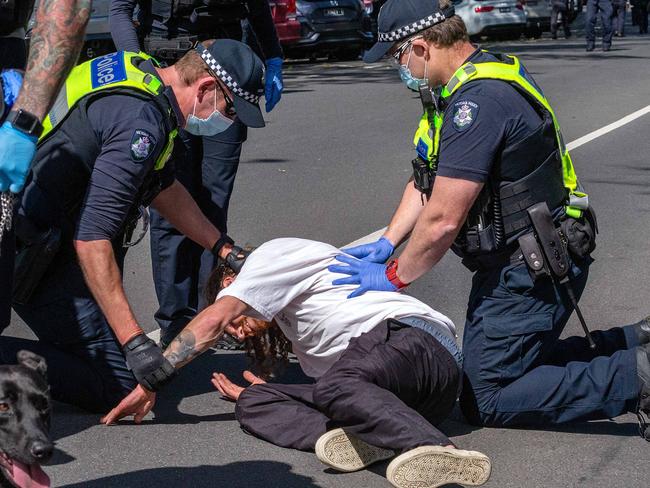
[24, 423]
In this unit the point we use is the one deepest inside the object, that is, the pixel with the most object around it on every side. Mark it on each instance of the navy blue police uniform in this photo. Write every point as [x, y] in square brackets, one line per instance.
[87, 181]
[13, 55]
[180, 267]
[518, 370]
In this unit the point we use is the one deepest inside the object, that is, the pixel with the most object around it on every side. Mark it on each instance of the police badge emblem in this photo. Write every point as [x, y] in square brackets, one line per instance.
[142, 144]
[465, 114]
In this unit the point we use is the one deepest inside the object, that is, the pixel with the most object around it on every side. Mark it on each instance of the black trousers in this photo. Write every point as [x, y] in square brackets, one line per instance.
[13, 55]
[565, 21]
[390, 388]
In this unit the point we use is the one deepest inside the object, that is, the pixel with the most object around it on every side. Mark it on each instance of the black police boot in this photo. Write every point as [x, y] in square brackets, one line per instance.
[642, 329]
[643, 372]
[590, 47]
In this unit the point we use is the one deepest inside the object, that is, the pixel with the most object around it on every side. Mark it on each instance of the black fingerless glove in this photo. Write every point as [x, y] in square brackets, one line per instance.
[147, 363]
[236, 258]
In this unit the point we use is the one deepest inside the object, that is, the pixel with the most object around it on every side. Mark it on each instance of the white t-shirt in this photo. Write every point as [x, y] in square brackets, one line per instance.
[287, 280]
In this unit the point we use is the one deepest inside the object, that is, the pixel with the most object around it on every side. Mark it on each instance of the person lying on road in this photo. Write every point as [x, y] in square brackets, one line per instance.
[386, 367]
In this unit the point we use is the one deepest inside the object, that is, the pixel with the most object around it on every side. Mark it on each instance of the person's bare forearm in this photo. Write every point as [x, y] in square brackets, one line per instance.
[406, 215]
[104, 279]
[55, 43]
[432, 236]
[437, 226]
[179, 208]
[203, 331]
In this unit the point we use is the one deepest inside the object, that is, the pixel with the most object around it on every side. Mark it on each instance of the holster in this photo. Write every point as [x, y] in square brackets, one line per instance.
[544, 250]
[169, 49]
[36, 251]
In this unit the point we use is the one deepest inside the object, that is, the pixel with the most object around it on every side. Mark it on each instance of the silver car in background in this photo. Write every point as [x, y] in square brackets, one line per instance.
[505, 19]
[538, 17]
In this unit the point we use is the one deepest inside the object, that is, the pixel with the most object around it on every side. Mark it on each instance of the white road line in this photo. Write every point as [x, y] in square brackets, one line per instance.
[608, 128]
[570, 146]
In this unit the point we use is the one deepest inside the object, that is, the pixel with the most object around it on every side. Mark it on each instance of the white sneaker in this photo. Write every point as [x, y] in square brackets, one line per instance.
[346, 453]
[433, 466]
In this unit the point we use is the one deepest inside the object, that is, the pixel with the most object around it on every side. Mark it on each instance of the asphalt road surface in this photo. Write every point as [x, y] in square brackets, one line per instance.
[330, 166]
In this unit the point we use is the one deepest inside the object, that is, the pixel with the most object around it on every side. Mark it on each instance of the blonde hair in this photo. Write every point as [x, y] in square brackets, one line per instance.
[191, 66]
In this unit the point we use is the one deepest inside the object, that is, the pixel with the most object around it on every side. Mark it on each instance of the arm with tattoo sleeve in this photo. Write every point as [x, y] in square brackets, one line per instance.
[203, 331]
[56, 41]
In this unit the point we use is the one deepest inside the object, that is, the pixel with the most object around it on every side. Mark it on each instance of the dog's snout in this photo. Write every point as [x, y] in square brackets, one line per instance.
[42, 451]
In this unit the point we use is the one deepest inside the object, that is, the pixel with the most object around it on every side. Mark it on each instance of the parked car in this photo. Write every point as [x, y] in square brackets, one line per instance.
[342, 28]
[538, 17]
[492, 18]
[285, 18]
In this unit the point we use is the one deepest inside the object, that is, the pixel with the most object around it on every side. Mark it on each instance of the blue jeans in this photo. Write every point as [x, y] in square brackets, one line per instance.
[518, 371]
[85, 364]
[605, 9]
[180, 266]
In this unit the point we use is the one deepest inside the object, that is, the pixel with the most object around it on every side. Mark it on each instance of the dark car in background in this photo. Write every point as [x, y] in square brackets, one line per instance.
[340, 28]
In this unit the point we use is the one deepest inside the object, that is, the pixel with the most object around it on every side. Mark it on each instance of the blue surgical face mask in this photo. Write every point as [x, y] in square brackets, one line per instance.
[213, 125]
[409, 80]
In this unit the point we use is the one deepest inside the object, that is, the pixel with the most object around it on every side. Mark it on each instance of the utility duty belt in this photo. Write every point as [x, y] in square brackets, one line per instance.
[169, 50]
[546, 251]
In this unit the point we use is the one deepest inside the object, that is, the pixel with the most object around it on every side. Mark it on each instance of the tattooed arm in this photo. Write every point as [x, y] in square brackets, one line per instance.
[56, 41]
[204, 330]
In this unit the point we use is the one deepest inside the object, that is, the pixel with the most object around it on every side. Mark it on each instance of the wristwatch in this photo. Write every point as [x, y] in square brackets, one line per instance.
[25, 122]
[391, 274]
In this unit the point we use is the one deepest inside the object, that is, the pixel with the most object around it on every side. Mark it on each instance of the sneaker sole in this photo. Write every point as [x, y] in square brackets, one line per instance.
[433, 466]
[347, 453]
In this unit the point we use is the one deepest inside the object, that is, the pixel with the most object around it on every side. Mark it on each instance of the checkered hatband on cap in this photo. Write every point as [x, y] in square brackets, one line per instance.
[220, 72]
[409, 30]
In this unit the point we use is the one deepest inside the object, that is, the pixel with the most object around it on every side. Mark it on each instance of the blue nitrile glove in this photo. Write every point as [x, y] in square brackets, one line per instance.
[12, 80]
[375, 252]
[371, 276]
[274, 85]
[17, 150]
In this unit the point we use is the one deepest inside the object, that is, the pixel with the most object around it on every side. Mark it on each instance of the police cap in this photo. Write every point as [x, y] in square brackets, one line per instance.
[239, 68]
[400, 19]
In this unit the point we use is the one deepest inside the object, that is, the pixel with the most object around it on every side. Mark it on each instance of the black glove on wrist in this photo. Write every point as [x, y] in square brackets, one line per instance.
[147, 363]
[222, 241]
[236, 258]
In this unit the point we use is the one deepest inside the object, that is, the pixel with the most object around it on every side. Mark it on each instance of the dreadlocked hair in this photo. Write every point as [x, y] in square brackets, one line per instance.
[269, 351]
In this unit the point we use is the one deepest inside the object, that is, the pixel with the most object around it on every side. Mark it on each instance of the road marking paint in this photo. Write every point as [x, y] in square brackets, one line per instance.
[372, 237]
[608, 128]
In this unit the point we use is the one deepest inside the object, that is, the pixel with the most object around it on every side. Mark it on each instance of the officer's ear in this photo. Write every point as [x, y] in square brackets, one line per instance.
[205, 86]
[421, 48]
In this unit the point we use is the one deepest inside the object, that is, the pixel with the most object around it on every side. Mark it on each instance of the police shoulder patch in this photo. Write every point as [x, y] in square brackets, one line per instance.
[465, 113]
[142, 145]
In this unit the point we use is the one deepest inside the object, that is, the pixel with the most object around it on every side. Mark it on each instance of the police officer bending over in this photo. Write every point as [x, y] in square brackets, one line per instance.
[506, 198]
[166, 30]
[101, 158]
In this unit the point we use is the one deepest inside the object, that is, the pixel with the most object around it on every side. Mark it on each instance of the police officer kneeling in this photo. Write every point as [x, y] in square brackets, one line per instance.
[494, 181]
[100, 159]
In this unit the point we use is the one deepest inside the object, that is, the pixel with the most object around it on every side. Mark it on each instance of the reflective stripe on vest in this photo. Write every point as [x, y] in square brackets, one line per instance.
[115, 72]
[513, 73]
